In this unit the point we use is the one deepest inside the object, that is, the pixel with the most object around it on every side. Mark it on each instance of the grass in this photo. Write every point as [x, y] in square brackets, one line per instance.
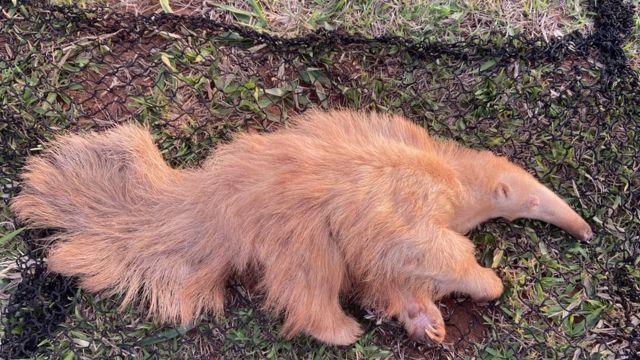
[563, 299]
[443, 20]
[404, 18]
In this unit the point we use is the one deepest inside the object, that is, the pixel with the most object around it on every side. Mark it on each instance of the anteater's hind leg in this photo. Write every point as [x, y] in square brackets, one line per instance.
[204, 291]
[305, 284]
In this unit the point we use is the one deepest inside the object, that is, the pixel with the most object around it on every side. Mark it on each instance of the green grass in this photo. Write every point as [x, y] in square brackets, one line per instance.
[562, 298]
[450, 19]
[444, 19]
[437, 19]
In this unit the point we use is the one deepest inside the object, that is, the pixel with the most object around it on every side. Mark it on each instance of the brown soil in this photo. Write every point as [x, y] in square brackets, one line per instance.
[464, 322]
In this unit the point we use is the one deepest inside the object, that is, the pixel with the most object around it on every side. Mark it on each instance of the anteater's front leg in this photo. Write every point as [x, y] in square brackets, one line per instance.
[458, 271]
[428, 264]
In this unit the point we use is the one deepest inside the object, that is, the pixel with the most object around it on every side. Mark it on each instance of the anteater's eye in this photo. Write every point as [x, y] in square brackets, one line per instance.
[534, 201]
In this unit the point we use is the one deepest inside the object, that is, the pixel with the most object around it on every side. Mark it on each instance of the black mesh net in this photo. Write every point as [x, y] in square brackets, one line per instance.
[566, 109]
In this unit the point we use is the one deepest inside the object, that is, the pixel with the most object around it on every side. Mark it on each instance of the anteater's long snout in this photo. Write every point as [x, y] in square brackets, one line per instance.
[556, 211]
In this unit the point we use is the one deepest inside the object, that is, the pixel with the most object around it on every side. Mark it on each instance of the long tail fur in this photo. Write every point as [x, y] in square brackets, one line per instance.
[116, 202]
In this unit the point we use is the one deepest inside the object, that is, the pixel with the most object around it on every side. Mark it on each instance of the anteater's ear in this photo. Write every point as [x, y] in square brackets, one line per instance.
[502, 191]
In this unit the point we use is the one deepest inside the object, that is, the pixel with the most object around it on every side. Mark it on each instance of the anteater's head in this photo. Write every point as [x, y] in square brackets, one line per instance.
[517, 194]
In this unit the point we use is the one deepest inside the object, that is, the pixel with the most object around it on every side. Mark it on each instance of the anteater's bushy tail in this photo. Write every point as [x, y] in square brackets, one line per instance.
[120, 212]
[79, 179]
